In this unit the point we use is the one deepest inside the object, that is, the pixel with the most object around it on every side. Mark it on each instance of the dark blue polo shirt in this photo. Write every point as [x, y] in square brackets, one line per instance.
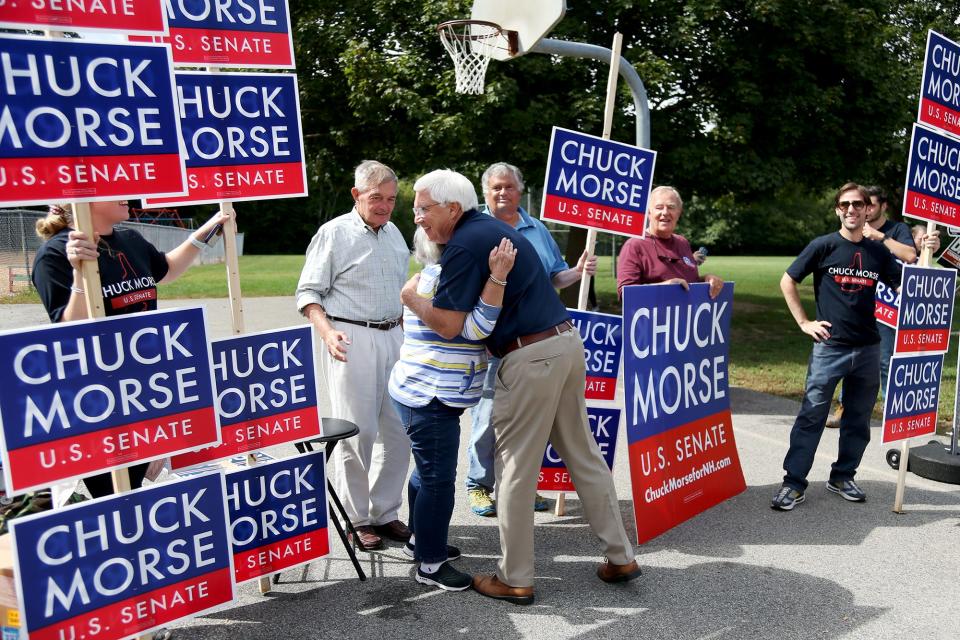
[530, 303]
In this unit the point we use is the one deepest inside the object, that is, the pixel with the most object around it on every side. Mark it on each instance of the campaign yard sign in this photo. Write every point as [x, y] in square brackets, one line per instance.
[602, 345]
[932, 190]
[597, 183]
[605, 425]
[683, 457]
[950, 258]
[278, 515]
[125, 564]
[886, 302]
[90, 396]
[912, 397]
[266, 393]
[83, 121]
[244, 34]
[144, 17]
[940, 91]
[926, 310]
[242, 137]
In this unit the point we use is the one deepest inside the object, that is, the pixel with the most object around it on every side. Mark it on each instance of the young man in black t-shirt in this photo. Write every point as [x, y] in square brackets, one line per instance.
[846, 267]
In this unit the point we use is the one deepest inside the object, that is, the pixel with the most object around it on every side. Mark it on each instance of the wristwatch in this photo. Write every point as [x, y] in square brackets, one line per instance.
[884, 238]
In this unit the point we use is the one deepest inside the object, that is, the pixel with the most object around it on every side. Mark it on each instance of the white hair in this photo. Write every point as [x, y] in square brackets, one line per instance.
[425, 250]
[370, 174]
[447, 186]
[501, 169]
[676, 194]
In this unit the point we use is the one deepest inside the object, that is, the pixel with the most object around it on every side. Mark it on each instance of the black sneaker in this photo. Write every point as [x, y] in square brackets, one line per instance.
[452, 552]
[446, 577]
[786, 499]
[848, 490]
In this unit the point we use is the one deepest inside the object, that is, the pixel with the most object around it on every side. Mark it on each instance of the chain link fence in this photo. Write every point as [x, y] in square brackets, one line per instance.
[19, 243]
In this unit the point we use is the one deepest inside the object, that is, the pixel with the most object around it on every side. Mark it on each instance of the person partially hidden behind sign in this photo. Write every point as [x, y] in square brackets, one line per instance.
[845, 267]
[349, 290]
[662, 256]
[540, 383]
[130, 269]
[432, 383]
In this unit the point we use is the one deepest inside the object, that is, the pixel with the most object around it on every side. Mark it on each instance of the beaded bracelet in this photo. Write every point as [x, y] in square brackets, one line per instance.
[502, 283]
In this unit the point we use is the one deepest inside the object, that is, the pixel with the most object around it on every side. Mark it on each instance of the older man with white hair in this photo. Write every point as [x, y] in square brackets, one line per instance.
[502, 190]
[539, 386]
[356, 265]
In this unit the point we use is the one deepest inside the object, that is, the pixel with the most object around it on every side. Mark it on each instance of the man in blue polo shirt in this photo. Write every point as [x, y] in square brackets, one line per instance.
[539, 388]
[502, 189]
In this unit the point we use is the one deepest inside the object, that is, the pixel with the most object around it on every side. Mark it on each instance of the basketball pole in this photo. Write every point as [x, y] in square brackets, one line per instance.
[926, 255]
[592, 233]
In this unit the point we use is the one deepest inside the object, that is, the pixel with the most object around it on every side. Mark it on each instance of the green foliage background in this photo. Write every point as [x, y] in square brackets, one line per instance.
[758, 109]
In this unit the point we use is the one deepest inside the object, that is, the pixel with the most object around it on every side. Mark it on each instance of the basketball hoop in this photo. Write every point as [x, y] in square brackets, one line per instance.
[471, 44]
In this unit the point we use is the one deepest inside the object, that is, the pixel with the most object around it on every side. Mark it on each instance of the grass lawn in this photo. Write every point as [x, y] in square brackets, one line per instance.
[768, 352]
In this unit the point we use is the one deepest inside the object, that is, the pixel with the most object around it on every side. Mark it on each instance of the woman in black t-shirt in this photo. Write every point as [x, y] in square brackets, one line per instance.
[130, 269]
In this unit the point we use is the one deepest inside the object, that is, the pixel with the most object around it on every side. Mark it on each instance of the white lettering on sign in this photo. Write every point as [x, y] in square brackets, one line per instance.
[273, 522]
[106, 7]
[224, 11]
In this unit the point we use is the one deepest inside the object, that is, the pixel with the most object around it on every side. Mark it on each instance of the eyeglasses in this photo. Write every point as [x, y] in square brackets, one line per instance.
[857, 205]
[419, 211]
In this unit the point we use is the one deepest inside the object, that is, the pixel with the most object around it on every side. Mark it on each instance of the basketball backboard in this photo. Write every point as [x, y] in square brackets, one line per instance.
[531, 19]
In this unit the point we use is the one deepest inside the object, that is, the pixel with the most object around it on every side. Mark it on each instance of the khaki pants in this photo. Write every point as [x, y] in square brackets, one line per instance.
[539, 396]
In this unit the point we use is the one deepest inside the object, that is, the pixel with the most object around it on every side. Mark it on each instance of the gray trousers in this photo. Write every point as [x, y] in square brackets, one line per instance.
[539, 396]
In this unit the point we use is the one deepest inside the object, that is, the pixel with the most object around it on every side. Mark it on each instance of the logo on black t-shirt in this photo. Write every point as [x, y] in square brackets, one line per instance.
[854, 278]
[131, 288]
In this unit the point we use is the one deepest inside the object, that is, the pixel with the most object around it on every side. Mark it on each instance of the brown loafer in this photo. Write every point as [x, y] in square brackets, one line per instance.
[491, 587]
[610, 572]
[367, 539]
[394, 530]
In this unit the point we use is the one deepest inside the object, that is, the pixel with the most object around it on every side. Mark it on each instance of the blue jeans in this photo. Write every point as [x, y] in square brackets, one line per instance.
[859, 369]
[434, 432]
[887, 338]
[480, 452]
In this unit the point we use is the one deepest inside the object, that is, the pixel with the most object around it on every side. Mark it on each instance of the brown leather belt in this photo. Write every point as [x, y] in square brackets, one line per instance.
[384, 325]
[525, 341]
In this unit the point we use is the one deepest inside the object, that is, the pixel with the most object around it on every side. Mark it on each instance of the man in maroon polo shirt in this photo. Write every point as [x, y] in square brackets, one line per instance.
[661, 256]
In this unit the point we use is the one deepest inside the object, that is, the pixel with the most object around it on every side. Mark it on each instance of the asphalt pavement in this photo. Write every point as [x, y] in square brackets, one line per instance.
[828, 569]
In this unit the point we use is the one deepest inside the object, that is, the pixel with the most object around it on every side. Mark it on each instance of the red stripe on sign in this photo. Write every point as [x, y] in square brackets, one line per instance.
[42, 464]
[60, 178]
[250, 435]
[600, 388]
[920, 205]
[125, 17]
[588, 214]
[219, 47]
[682, 472]
[555, 479]
[144, 611]
[885, 314]
[913, 340]
[909, 427]
[939, 116]
[241, 182]
[280, 555]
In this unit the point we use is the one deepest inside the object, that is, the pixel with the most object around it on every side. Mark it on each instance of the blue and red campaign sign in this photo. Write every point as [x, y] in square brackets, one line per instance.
[950, 258]
[605, 425]
[912, 397]
[932, 190]
[266, 390]
[940, 90]
[926, 310]
[886, 302]
[250, 35]
[602, 346]
[683, 457]
[597, 183]
[82, 121]
[144, 17]
[278, 515]
[242, 137]
[126, 564]
[89, 396]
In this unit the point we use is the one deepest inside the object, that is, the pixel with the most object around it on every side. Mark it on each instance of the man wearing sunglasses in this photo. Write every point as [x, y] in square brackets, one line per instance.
[845, 267]
[898, 239]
